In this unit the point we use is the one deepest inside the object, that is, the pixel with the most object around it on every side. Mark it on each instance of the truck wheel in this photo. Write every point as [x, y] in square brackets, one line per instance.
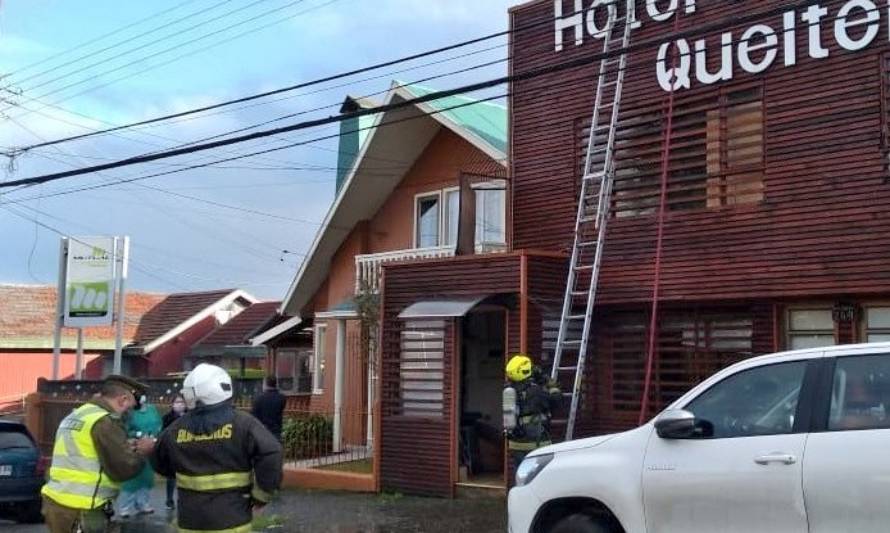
[581, 523]
[29, 513]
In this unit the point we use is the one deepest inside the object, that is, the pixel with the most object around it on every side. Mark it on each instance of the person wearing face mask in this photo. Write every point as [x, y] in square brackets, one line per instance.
[91, 457]
[135, 498]
[176, 411]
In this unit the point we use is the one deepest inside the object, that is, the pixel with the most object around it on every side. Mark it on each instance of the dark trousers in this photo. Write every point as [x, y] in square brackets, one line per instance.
[171, 489]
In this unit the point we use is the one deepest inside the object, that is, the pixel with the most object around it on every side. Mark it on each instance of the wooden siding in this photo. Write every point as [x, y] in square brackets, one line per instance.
[821, 228]
[417, 454]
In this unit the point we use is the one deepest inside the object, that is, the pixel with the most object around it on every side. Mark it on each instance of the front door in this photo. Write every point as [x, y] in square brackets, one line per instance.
[846, 471]
[744, 474]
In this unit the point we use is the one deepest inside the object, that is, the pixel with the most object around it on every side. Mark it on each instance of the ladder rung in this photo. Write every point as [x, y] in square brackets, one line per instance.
[584, 268]
[572, 343]
[580, 293]
[562, 368]
[587, 244]
[576, 317]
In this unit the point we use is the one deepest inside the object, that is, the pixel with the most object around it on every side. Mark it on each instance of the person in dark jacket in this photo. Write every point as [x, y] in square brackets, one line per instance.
[177, 409]
[226, 463]
[268, 407]
[536, 399]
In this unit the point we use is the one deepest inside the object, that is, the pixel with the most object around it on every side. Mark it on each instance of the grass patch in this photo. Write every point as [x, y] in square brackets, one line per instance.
[365, 466]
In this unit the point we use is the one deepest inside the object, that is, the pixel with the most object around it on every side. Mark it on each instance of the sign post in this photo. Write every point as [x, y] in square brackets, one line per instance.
[122, 253]
[92, 271]
[60, 307]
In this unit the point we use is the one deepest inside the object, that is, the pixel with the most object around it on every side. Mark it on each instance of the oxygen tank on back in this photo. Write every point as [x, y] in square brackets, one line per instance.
[510, 408]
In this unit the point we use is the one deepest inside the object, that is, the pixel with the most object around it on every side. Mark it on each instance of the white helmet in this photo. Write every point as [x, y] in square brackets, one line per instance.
[207, 384]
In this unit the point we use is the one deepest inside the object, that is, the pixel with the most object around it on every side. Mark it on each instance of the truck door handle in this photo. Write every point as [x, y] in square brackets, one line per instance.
[783, 458]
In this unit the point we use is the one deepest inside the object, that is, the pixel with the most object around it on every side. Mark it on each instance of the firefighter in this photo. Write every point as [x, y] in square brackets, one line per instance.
[529, 401]
[225, 462]
[91, 457]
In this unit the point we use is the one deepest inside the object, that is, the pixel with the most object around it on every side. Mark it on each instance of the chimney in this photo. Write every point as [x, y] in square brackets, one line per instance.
[353, 133]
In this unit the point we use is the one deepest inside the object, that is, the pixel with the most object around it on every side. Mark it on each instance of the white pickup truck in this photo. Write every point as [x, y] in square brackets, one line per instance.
[795, 442]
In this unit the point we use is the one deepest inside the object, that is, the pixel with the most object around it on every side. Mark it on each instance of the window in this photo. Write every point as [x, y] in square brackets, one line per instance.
[860, 397]
[293, 368]
[319, 359]
[735, 149]
[877, 324]
[422, 368]
[755, 402]
[452, 216]
[491, 218]
[810, 328]
[716, 157]
[14, 439]
[427, 221]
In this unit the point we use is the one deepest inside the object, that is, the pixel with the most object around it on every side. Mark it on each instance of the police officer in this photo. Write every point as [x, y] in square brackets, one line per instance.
[535, 400]
[226, 463]
[91, 456]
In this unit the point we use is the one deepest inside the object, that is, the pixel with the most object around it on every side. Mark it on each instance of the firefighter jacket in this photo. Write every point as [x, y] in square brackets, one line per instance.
[536, 402]
[220, 474]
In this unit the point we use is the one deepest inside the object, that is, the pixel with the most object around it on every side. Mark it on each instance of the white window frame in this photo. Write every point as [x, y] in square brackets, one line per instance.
[423, 196]
[443, 210]
[479, 190]
[319, 346]
[866, 327]
[791, 333]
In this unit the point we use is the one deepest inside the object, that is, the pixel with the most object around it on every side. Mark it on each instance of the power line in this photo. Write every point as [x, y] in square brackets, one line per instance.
[137, 48]
[512, 78]
[304, 84]
[44, 225]
[192, 167]
[180, 45]
[110, 34]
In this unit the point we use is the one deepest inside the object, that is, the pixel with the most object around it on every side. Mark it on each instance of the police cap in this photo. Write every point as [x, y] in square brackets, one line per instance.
[130, 384]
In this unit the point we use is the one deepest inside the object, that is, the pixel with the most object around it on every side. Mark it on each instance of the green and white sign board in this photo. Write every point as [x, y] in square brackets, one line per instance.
[89, 282]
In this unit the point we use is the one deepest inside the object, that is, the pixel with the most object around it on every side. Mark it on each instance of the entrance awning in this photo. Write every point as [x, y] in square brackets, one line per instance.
[443, 308]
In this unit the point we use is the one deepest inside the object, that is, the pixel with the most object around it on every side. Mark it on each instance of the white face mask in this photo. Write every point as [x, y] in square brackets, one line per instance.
[179, 407]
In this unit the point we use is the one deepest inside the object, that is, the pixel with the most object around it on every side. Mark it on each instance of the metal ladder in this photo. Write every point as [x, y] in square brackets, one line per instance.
[590, 225]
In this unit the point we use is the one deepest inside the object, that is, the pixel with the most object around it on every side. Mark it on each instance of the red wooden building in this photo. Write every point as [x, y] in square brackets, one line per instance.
[775, 233]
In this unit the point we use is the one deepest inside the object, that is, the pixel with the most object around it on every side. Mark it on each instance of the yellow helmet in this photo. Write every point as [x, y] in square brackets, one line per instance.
[519, 368]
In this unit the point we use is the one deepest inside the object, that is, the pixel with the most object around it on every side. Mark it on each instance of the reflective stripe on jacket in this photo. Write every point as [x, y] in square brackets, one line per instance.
[76, 479]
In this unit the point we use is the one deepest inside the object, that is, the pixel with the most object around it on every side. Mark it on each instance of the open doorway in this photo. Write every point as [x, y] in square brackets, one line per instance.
[481, 446]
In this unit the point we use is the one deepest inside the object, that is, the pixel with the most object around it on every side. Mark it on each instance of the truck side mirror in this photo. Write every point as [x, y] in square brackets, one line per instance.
[677, 424]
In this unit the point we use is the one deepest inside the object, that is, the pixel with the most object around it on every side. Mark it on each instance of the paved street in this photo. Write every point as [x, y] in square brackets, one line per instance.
[304, 512]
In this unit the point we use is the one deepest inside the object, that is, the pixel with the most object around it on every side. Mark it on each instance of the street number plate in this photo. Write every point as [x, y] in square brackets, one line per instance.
[5, 470]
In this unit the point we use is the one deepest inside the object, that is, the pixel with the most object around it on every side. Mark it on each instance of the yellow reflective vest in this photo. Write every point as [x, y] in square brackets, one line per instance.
[76, 479]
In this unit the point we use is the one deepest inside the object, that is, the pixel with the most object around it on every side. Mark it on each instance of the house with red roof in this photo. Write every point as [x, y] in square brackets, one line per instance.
[159, 332]
[230, 344]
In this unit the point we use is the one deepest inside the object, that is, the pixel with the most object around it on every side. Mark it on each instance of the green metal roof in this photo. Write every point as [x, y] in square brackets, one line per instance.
[486, 120]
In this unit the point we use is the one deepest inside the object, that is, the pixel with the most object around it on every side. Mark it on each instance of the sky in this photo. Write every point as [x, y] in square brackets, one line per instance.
[69, 67]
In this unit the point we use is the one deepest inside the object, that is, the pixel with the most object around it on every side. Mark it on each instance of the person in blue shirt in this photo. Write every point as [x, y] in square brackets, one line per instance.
[135, 497]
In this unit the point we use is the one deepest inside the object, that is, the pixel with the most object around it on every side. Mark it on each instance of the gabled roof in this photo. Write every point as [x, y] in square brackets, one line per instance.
[384, 159]
[179, 312]
[239, 330]
[26, 319]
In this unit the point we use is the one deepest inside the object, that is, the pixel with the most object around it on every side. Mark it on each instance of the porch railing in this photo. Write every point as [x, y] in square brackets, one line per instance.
[368, 267]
